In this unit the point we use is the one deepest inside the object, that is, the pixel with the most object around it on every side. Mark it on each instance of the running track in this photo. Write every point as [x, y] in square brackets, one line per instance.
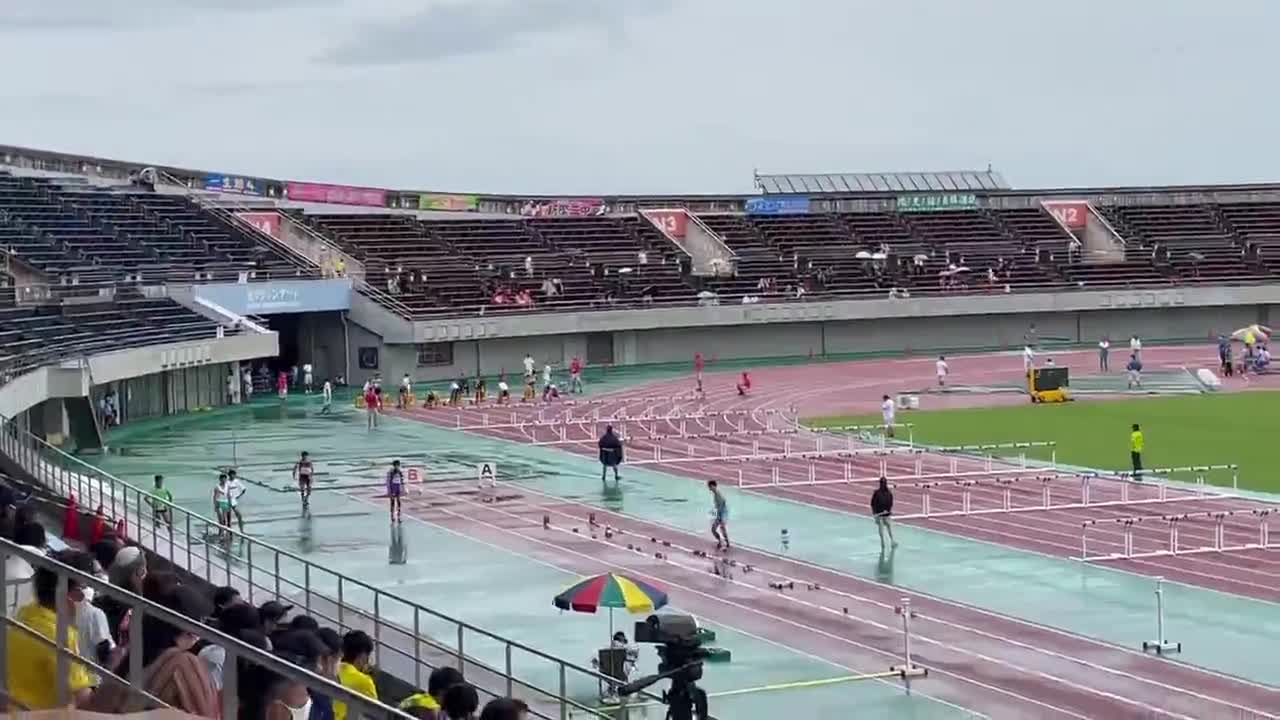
[977, 660]
[1254, 573]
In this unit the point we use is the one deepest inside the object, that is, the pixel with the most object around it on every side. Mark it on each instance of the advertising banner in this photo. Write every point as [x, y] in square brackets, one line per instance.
[1072, 213]
[937, 202]
[778, 205]
[267, 222]
[287, 296]
[336, 194]
[453, 203]
[673, 222]
[565, 207]
[234, 184]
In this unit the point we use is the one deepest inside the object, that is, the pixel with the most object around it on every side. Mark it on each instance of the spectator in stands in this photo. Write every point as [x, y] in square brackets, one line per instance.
[236, 619]
[273, 613]
[128, 571]
[340, 267]
[353, 670]
[523, 298]
[505, 709]
[528, 265]
[427, 705]
[223, 598]
[171, 672]
[30, 535]
[32, 663]
[322, 705]
[95, 632]
[460, 702]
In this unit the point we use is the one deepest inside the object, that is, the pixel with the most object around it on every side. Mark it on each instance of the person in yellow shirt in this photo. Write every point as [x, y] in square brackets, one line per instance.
[1136, 446]
[353, 669]
[33, 662]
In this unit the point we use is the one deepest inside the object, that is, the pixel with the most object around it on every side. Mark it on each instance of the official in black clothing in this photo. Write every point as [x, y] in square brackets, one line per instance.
[610, 453]
[881, 509]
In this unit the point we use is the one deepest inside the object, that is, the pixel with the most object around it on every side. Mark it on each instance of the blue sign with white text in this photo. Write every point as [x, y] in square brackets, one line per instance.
[234, 184]
[284, 296]
[778, 205]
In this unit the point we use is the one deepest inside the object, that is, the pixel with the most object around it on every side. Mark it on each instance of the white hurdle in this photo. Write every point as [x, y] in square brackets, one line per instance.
[1174, 525]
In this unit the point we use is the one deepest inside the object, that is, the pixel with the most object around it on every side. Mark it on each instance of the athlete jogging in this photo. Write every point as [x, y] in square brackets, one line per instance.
[719, 514]
[303, 473]
[395, 489]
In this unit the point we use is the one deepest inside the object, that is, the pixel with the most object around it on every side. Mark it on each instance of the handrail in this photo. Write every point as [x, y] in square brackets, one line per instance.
[1124, 242]
[384, 299]
[235, 648]
[123, 501]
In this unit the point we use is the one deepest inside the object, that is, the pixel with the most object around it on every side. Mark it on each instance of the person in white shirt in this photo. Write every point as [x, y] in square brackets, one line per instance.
[233, 389]
[546, 376]
[406, 389]
[235, 491]
[528, 366]
[1104, 350]
[327, 391]
[306, 377]
[504, 390]
[1028, 359]
[247, 378]
[1135, 347]
[941, 369]
[887, 411]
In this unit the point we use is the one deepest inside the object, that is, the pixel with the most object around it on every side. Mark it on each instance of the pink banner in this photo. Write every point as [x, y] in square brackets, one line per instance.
[335, 194]
[1072, 213]
[267, 222]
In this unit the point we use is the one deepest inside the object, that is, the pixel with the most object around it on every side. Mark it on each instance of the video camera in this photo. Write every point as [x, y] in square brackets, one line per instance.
[680, 655]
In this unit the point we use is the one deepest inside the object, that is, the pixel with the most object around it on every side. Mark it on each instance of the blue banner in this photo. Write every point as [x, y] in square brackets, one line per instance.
[234, 184]
[285, 296]
[778, 205]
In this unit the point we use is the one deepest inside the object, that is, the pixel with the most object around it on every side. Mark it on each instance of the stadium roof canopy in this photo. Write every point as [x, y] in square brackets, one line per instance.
[897, 182]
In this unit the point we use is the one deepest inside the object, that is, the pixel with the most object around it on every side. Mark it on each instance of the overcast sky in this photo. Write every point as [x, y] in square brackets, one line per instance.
[604, 96]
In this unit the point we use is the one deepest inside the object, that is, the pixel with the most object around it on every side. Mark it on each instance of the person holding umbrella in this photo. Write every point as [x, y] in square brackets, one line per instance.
[610, 453]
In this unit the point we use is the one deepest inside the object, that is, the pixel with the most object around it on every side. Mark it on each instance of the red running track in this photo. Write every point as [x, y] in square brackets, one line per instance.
[777, 390]
[977, 660]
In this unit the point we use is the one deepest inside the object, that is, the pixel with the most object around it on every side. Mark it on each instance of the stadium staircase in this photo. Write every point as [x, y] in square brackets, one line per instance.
[708, 253]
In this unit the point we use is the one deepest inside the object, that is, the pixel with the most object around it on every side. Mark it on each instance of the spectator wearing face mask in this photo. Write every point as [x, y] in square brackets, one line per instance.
[32, 663]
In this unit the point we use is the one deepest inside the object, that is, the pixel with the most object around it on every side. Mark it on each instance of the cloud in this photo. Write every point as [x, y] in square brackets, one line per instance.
[475, 27]
[95, 14]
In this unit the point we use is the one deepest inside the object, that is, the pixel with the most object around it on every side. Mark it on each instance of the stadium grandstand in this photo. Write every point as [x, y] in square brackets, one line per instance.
[134, 293]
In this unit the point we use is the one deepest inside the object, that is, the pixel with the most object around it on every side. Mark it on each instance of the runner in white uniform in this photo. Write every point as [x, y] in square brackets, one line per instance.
[941, 368]
[887, 411]
[327, 391]
[306, 377]
[1028, 359]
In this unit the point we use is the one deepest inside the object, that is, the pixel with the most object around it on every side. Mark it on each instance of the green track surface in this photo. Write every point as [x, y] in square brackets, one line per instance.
[1235, 428]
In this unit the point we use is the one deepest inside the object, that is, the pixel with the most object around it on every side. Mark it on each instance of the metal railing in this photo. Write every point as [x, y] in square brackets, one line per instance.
[411, 639]
[142, 609]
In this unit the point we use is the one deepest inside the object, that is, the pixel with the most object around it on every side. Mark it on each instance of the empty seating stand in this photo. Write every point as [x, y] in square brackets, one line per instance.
[33, 335]
[1191, 243]
[74, 230]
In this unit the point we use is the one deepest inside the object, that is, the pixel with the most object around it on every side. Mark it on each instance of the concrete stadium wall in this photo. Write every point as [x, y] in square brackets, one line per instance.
[791, 339]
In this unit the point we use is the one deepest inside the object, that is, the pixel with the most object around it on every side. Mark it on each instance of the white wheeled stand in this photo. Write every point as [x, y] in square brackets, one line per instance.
[1161, 645]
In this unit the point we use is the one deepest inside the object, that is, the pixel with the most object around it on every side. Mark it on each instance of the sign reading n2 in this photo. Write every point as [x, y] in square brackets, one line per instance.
[1074, 214]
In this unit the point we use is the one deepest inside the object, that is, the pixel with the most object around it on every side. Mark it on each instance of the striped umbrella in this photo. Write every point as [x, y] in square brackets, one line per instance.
[612, 591]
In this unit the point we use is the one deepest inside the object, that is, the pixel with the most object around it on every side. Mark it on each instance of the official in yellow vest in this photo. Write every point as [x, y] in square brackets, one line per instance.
[1136, 445]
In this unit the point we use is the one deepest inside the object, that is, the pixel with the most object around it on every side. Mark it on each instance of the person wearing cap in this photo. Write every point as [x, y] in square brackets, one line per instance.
[353, 669]
[273, 613]
[234, 619]
[128, 571]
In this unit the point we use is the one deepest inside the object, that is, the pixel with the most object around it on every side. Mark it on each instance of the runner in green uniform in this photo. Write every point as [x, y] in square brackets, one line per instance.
[157, 499]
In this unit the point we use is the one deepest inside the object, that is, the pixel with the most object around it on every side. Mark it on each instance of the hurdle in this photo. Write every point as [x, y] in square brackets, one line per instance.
[866, 431]
[775, 480]
[1199, 470]
[991, 458]
[755, 453]
[1173, 525]
[1006, 486]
